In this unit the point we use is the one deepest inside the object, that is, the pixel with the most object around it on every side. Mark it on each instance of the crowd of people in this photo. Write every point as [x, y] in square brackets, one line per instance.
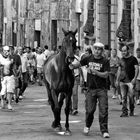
[95, 72]
[19, 67]
[102, 72]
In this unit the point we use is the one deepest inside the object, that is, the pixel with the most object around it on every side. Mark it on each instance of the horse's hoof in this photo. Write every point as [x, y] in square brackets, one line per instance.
[67, 133]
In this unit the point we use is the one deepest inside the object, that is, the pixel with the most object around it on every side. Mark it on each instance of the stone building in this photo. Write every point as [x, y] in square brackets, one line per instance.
[13, 22]
[39, 22]
[115, 22]
[44, 22]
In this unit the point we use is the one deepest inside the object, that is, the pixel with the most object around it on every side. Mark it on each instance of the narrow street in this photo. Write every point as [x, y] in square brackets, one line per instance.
[32, 118]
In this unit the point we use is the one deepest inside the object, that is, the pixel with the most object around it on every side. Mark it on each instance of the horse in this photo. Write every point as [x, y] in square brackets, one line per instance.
[59, 79]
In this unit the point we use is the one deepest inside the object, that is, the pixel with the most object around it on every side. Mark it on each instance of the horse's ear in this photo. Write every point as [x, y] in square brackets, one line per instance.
[75, 31]
[64, 31]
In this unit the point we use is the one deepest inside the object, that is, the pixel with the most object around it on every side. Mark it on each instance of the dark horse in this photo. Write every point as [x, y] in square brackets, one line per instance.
[59, 79]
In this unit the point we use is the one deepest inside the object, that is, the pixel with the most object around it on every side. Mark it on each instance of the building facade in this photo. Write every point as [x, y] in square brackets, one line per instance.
[39, 22]
[115, 22]
[13, 22]
[45, 20]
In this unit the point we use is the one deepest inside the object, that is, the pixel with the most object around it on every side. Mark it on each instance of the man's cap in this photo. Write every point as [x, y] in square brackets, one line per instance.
[98, 44]
[6, 48]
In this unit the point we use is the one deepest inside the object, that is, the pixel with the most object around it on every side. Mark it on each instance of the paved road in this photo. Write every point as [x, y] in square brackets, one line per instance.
[32, 118]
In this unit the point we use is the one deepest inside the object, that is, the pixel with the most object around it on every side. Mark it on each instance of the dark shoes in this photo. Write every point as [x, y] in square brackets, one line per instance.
[74, 112]
[124, 115]
[131, 113]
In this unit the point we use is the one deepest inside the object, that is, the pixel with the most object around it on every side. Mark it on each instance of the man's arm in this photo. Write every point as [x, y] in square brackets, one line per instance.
[118, 76]
[136, 74]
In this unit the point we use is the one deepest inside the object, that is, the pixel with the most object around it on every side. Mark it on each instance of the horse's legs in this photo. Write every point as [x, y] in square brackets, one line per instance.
[56, 108]
[62, 97]
[67, 111]
[50, 99]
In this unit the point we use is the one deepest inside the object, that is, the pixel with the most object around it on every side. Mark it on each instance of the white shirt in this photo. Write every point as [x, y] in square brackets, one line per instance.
[40, 58]
[6, 62]
[24, 62]
[31, 58]
[76, 60]
[47, 53]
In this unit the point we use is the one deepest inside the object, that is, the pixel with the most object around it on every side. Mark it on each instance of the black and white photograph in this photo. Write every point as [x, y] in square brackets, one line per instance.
[69, 69]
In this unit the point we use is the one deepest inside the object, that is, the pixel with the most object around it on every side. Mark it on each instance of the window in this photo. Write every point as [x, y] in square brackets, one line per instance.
[139, 29]
[127, 4]
[37, 1]
[139, 12]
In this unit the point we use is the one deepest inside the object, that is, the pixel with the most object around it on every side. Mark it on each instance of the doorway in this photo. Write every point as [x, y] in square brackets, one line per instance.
[37, 38]
[54, 35]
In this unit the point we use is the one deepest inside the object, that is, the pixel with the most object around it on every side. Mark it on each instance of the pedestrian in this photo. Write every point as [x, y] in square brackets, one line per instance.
[17, 70]
[76, 83]
[114, 64]
[24, 75]
[47, 52]
[7, 78]
[40, 59]
[31, 63]
[83, 72]
[126, 76]
[137, 86]
[98, 71]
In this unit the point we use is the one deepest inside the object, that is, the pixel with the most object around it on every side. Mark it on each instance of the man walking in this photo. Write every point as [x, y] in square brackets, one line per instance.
[97, 87]
[127, 75]
[24, 75]
[7, 77]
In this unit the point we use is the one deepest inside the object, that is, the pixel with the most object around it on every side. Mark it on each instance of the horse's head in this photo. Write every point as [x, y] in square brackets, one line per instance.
[69, 44]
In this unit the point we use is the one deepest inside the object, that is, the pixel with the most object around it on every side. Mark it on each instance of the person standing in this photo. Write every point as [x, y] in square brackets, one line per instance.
[17, 70]
[137, 86]
[98, 71]
[31, 64]
[47, 52]
[114, 64]
[126, 76]
[24, 76]
[83, 72]
[7, 78]
[40, 59]
[76, 83]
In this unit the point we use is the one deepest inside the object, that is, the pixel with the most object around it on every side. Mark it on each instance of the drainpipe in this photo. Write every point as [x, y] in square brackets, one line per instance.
[109, 23]
[1, 21]
[78, 11]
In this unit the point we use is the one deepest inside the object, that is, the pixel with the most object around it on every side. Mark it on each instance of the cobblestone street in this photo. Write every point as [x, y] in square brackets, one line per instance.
[32, 119]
